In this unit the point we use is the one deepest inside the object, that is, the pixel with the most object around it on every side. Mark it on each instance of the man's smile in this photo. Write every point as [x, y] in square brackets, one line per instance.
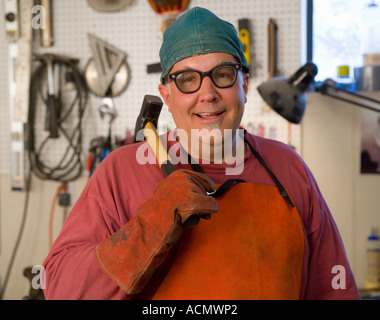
[209, 117]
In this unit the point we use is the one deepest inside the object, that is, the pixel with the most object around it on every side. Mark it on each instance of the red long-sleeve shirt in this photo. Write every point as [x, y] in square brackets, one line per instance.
[121, 183]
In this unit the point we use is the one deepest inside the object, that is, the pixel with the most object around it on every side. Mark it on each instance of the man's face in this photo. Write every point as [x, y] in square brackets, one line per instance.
[210, 107]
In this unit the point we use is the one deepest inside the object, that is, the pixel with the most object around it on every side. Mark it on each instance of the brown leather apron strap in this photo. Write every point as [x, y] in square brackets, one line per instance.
[224, 187]
[278, 184]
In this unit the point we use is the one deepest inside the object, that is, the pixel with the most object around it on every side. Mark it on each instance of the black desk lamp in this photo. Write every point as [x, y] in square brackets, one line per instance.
[287, 96]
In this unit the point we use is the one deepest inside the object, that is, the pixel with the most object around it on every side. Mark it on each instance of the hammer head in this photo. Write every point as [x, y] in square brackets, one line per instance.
[150, 112]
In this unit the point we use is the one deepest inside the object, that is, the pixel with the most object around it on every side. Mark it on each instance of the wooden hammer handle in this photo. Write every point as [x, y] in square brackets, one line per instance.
[159, 150]
[272, 58]
[47, 31]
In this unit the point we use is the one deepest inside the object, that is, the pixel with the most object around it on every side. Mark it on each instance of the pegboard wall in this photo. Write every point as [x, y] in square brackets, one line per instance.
[136, 30]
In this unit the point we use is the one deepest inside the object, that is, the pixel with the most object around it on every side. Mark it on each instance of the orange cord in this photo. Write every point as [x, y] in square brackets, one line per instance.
[60, 188]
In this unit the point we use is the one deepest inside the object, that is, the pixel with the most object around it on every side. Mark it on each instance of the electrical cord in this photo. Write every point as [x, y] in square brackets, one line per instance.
[62, 187]
[21, 231]
[70, 166]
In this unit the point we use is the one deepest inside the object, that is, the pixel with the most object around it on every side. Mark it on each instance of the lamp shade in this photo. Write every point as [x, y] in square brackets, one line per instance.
[287, 96]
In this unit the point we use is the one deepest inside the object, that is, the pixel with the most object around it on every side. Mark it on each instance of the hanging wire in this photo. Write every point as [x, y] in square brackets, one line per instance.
[21, 231]
[69, 167]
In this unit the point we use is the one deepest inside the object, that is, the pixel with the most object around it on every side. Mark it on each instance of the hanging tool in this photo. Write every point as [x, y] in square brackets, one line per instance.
[107, 73]
[272, 64]
[272, 52]
[53, 105]
[107, 108]
[95, 154]
[18, 18]
[101, 147]
[68, 111]
[272, 48]
[47, 38]
[245, 35]
[168, 6]
[12, 27]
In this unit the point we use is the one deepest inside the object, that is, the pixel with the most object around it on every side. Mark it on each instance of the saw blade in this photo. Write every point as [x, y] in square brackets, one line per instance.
[108, 61]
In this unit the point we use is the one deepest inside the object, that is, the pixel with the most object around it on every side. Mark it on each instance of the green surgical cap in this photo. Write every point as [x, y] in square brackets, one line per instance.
[198, 31]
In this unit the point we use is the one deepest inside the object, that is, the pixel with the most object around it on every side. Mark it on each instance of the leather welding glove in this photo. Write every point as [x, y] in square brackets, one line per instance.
[131, 255]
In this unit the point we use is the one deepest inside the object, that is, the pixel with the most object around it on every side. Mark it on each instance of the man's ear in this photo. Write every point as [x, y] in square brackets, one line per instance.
[245, 84]
[164, 91]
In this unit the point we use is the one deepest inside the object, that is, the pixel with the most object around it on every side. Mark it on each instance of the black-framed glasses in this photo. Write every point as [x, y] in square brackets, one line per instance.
[222, 76]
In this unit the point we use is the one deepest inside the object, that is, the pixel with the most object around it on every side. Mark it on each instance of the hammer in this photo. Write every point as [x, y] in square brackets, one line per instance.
[146, 123]
[147, 120]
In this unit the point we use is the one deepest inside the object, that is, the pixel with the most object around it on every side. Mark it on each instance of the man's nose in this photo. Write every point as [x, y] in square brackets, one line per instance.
[208, 90]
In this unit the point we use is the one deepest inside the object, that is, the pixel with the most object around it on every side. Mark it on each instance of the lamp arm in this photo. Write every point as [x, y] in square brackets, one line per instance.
[330, 84]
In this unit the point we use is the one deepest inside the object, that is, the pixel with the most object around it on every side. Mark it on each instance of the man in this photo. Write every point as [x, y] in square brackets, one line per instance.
[257, 228]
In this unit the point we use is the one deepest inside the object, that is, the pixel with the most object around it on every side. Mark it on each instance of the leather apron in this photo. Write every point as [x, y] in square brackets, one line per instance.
[251, 249]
